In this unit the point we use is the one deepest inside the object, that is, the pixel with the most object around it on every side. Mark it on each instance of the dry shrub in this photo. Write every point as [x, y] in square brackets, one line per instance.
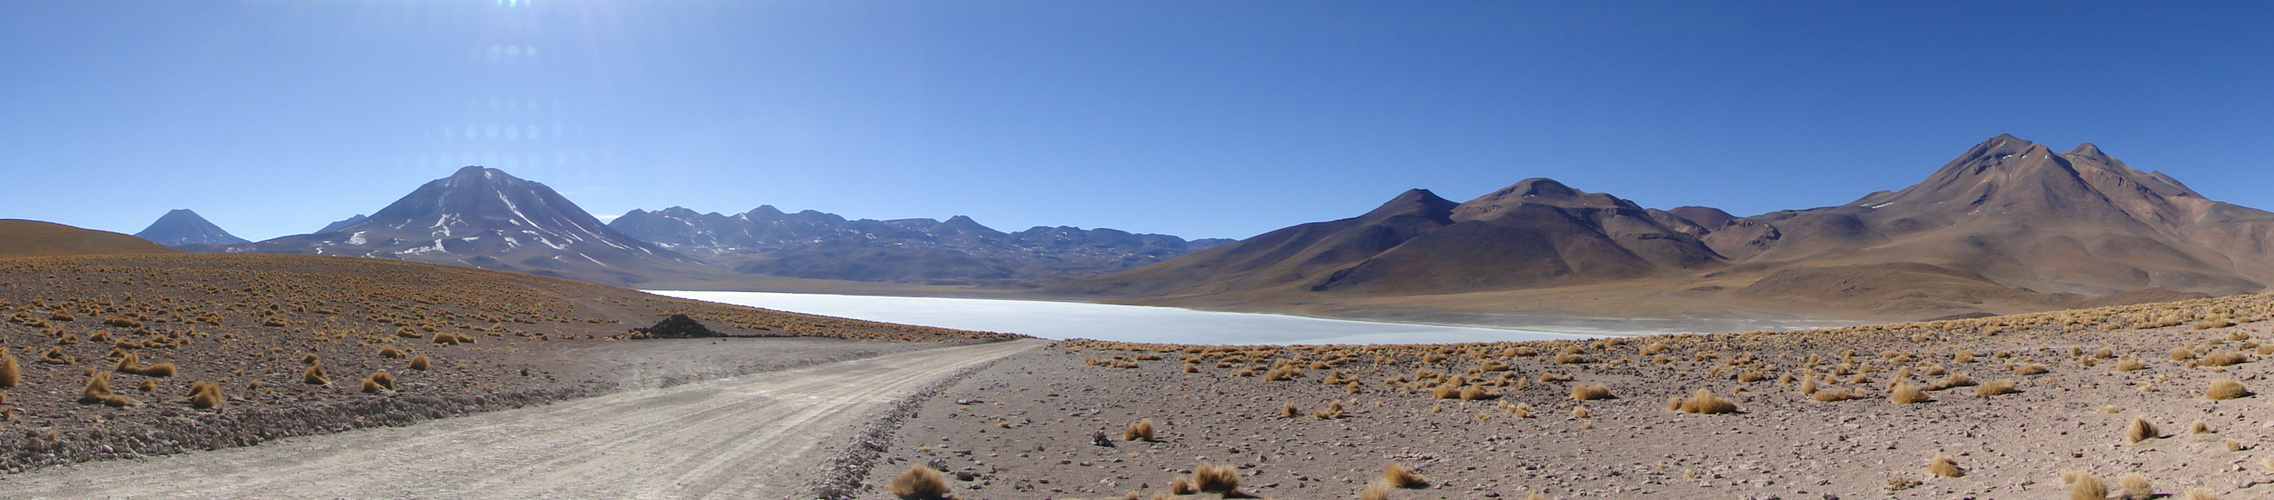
[1904, 393]
[205, 395]
[1399, 476]
[2225, 388]
[419, 362]
[1942, 465]
[1994, 387]
[2182, 353]
[2029, 369]
[2200, 494]
[310, 360]
[2140, 430]
[1289, 410]
[98, 387]
[148, 384]
[1445, 391]
[1375, 491]
[315, 375]
[2225, 358]
[1212, 478]
[1140, 431]
[55, 356]
[11, 374]
[1831, 395]
[1590, 392]
[2085, 486]
[1333, 411]
[379, 382]
[2136, 486]
[2130, 363]
[1181, 486]
[390, 352]
[920, 483]
[1475, 393]
[1705, 402]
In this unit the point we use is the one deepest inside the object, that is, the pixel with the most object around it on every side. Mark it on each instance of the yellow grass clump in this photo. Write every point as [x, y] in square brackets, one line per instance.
[379, 382]
[2084, 486]
[1590, 392]
[2130, 363]
[1942, 465]
[2136, 486]
[1333, 411]
[1400, 476]
[2225, 388]
[1994, 387]
[1212, 478]
[1904, 393]
[1140, 431]
[205, 395]
[419, 362]
[11, 374]
[390, 352]
[315, 375]
[1705, 402]
[920, 483]
[2140, 430]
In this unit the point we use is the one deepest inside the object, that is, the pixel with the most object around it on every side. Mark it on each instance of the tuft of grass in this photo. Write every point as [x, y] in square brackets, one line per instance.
[1590, 392]
[11, 374]
[1942, 465]
[1375, 491]
[1476, 392]
[2030, 369]
[1705, 402]
[1140, 431]
[1904, 393]
[390, 352]
[2140, 430]
[315, 375]
[1399, 476]
[1994, 387]
[2085, 486]
[1445, 391]
[379, 382]
[1219, 479]
[98, 388]
[1333, 411]
[2136, 486]
[2182, 353]
[2200, 494]
[920, 483]
[2225, 358]
[205, 395]
[2199, 427]
[2130, 363]
[1831, 395]
[2225, 388]
[1289, 410]
[1181, 486]
[419, 362]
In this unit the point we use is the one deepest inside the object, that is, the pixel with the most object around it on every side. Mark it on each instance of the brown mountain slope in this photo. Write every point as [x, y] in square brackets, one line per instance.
[23, 238]
[2008, 226]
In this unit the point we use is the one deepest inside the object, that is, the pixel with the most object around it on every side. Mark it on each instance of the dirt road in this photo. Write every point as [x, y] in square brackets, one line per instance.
[741, 437]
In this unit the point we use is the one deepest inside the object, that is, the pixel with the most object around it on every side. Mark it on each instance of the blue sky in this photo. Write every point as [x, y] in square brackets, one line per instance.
[1199, 119]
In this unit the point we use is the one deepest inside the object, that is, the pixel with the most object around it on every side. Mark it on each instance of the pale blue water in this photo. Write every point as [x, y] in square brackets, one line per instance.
[1065, 320]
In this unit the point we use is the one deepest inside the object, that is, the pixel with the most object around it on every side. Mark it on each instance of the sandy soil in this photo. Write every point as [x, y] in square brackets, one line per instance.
[754, 436]
[1026, 428]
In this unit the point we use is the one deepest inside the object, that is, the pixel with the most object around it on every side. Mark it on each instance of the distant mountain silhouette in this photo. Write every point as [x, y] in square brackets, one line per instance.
[340, 224]
[958, 251]
[2009, 225]
[483, 217]
[184, 227]
[29, 238]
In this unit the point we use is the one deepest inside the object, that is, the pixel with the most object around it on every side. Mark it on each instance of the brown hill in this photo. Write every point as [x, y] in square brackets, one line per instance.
[2008, 226]
[22, 238]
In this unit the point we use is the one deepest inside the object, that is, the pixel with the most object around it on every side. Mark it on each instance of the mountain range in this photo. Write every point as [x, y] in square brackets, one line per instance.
[2007, 226]
[958, 251]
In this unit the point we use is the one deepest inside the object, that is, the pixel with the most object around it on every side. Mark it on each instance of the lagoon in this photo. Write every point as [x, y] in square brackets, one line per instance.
[1068, 320]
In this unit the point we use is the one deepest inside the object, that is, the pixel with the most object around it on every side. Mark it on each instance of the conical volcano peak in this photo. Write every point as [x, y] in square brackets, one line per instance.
[184, 227]
[1413, 201]
[2086, 149]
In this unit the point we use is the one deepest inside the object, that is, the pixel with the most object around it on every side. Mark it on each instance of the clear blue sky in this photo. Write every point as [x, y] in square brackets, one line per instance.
[1199, 119]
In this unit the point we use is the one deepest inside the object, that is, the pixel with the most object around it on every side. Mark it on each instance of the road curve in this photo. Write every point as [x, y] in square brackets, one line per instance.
[741, 437]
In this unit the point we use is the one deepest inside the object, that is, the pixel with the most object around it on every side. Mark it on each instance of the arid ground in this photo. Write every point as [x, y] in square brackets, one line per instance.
[2014, 403]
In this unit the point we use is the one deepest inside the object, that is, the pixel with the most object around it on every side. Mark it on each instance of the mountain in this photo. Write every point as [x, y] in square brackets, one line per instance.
[2007, 226]
[341, 224]
[483, 217]
[958, 251]
[29, 238]
[184, 227]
